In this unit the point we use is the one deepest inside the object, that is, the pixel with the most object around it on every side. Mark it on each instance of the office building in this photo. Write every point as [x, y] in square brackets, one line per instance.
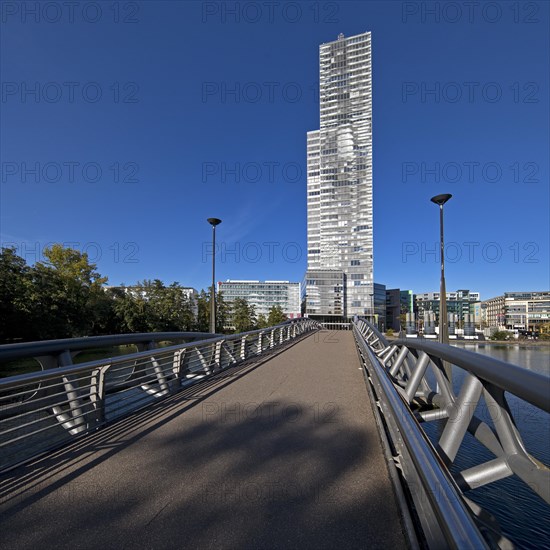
[264, 295]
[325, 295]
[520, 311]
[460, 303]
[379, 303]
[339, 184]
[398, 304]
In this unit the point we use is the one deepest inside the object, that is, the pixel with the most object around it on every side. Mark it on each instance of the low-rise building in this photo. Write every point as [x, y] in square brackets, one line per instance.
[460, 303]
[492, 312]
[264, 295]
[525, 311]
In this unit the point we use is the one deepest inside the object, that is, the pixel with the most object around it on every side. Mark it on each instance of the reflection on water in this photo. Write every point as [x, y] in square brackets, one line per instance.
[535, 358]
[522, 514]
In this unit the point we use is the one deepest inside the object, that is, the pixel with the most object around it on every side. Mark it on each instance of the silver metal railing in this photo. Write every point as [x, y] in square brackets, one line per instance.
[48, 353]
[410, 385]
[329, 325]
[43, 410]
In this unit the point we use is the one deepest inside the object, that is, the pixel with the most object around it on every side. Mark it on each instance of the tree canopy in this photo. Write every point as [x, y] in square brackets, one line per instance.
[276, 316]
[64, 296]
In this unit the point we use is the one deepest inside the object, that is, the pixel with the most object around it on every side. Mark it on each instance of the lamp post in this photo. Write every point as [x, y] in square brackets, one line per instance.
[443, 321]
[213, 222]
[372, 307]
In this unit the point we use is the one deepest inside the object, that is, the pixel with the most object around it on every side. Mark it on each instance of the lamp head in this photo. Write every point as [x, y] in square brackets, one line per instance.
[441, 199]
[213, 221]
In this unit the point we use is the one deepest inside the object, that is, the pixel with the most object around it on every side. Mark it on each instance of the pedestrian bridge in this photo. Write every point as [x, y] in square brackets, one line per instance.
[270, 439]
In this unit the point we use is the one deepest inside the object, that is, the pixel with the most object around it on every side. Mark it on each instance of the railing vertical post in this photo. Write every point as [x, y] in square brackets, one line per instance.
[97, 394]
[218, 357]
[78, 423]
[243, 348]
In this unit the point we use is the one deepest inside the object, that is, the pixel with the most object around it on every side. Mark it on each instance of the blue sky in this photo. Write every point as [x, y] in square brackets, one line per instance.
[124, 125]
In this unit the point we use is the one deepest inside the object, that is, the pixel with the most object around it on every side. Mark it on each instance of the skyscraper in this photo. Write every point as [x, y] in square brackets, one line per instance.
[339, 278]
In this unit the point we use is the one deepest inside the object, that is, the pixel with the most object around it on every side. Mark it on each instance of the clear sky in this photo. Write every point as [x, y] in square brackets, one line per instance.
[124, 125]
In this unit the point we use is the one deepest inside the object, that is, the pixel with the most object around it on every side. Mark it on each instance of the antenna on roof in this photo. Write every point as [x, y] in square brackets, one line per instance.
[341, 36]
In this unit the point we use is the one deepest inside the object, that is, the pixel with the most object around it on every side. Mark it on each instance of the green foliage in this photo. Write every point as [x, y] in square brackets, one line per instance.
[276, 316]
[389, 332]
[72, 266]
[14, 275]
[64, 297]
[262, 321]
[202, 322]
[243, 315]
[61, 297]
[151, 306]
[223, 312]
[500, 335]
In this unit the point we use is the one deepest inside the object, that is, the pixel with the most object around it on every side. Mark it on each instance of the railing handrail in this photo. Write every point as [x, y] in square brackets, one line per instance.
[414, 384]
[38, 376]
[9, 352]
[453, 518]
[528, 385]
[43, 410]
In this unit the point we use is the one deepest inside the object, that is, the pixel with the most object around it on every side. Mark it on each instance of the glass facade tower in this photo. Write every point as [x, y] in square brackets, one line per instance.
[339, 177]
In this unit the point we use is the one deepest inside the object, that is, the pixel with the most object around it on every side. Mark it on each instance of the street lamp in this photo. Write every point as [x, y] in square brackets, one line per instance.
[372, 307]
[213, 222]
[443, 321]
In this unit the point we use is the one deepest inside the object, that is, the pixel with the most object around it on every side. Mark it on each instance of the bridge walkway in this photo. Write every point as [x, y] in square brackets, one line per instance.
[280, 452]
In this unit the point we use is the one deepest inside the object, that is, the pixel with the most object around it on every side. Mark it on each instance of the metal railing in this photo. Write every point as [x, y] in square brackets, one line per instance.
[44, 410]
[411, 386]
[53, 353]
[330, 325]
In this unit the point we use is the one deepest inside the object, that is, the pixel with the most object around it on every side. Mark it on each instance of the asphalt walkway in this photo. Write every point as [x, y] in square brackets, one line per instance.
[282, 453]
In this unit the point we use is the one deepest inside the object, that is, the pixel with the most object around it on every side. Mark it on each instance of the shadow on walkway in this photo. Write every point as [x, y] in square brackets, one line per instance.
[242, 460]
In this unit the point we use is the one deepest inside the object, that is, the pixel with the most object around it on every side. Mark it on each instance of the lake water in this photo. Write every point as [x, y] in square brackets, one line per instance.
[523, 516]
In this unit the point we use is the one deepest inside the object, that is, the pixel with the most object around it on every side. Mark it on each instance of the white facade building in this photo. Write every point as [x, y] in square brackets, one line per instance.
[339, 177]
[527, 311]
[264, 295]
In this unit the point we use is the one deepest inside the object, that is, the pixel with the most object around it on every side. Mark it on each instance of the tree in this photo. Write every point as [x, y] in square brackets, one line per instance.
[73, 265]
[223, 312]
[276, 316]
[155, 307]
[159, 307]
[55, 305]
[14, 273]
[262, 321]
[131, 310]
[178, 307]
[243, 315]
[202, 322]
[63, 296]
[79, 289]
